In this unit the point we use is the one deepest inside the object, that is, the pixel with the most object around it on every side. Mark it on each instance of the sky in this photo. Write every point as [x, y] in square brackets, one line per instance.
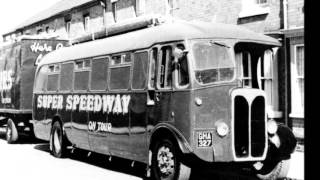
[13, 13]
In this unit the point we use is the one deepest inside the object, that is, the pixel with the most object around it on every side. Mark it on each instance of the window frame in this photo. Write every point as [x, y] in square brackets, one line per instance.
[73, 78]
[160, 55]
[133, 63]
[68, 27]
[107, 73]
[114, 10]
[176, 79]
[36, 78]
[297, 111]
[83, 69]
[156, 63]
[230, 52]
[121, 65]
[55, 72]
[86, 22]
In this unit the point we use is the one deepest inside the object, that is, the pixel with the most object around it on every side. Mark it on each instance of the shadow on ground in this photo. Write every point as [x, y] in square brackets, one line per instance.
[123, 165]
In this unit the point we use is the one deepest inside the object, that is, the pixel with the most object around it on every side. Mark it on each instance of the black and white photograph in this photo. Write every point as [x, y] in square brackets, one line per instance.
[152, 90]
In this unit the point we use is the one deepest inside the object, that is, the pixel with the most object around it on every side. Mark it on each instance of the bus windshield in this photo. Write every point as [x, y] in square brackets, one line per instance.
[213, 62]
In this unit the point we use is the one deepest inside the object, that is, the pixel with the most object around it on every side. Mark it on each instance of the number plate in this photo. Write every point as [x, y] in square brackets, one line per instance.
[204, 138]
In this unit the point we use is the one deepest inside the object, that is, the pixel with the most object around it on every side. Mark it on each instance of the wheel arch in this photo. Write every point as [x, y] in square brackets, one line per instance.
[168, 131]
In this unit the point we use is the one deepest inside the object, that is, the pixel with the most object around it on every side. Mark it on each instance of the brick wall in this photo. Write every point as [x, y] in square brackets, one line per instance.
[295, 13]
[226, 11]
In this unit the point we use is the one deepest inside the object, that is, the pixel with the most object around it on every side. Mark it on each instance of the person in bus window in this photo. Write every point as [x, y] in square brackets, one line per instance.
[181, 65]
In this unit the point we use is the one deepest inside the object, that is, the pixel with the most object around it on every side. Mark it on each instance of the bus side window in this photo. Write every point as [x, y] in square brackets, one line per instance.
[42, 79]
[66, 77]
[183, 72]
[81, 74]
[140, 70]
[120, 72]
[166, 67]
[99, 74]
[53, 77]
[152, 73]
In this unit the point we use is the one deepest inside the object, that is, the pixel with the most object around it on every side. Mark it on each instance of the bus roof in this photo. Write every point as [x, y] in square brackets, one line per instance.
[173, 31]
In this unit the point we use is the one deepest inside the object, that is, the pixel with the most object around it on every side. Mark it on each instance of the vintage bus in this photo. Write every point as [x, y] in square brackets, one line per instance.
[18, 62]
[160, 95]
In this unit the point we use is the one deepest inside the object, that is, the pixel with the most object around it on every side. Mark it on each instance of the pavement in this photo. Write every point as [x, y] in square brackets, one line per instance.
[296, 168]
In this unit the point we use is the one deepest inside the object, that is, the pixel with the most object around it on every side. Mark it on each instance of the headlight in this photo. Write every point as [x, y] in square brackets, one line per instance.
[198, 101]
[272, 127]
[222, 129]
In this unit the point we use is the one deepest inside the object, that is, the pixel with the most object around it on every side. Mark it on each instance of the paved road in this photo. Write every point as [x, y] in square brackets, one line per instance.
[30, 159]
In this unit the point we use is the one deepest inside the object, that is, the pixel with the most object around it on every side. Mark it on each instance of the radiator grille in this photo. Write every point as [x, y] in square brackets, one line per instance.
[249, 127]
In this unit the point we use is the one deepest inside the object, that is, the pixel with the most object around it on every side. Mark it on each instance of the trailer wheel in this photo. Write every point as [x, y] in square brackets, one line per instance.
[166, 162]
[11, 132]
[57, 141]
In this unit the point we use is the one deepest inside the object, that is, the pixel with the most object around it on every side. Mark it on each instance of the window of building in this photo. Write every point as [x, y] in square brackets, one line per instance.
[66, 77]
[53, 77]
[165, 71]
[261, 2]
[67, 21]
[140, 7]
[171, 5]
[39, 31]
[99, 74]
[86, 22]
[47, 29]
[114, 9]
[265, 76]
[254, 8]
[81, 74]
[140, 70]
[297, 82]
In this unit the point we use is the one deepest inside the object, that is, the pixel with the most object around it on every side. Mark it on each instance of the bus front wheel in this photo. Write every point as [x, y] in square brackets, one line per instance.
[11, 132]
[166, 162]
[57, 141]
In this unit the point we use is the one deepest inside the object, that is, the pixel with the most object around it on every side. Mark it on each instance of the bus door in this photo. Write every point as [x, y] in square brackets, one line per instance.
[160, 86]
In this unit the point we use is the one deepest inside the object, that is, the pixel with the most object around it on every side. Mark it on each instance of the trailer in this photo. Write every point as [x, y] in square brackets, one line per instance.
[18, 61]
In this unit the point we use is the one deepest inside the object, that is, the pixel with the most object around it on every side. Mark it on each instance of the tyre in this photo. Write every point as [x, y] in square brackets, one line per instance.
[57, 141]
[166, 162]
[280, 170]
[11, 132]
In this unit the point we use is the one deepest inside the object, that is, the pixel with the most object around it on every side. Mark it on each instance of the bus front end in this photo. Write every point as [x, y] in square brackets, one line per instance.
[230, 108]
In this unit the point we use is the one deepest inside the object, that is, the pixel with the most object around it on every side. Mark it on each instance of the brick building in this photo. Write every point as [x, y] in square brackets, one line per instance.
[283, 19]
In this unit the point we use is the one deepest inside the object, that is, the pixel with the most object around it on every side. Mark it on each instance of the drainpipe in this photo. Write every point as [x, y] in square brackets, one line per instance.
[285, 14]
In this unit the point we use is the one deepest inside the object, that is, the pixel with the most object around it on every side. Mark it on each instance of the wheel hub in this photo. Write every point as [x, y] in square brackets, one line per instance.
[165, 161]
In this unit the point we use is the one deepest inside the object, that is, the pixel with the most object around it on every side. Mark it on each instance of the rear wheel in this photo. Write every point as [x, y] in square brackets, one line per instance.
[11, 132]
[166, 162]
[57, 141]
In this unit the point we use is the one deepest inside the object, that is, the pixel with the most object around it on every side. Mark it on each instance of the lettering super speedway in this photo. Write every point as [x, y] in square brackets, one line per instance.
[96, 103]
